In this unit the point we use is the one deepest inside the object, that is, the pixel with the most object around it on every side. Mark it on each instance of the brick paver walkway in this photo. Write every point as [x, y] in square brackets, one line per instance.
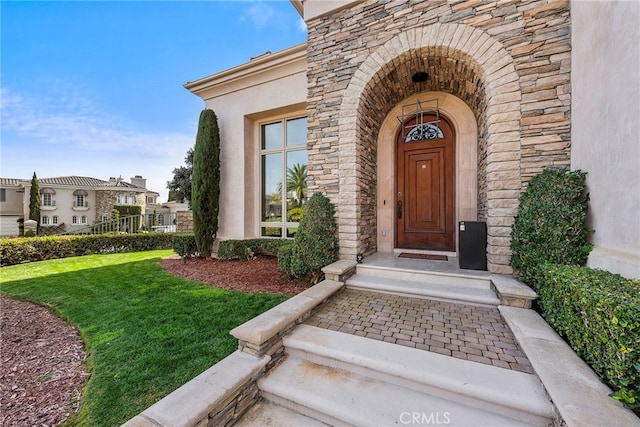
[467, 332]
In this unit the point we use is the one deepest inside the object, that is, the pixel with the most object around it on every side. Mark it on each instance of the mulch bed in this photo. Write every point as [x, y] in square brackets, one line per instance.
[42, 369]
[256, 275]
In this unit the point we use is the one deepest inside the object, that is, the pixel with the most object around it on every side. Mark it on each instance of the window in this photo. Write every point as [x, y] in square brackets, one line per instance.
[47, 200]
[126, 199]
[80, 201]
[3, 195]
[104, 218]
[55, 219]
[83, 219]
[44, 220]
[283, 158]
[74, 219]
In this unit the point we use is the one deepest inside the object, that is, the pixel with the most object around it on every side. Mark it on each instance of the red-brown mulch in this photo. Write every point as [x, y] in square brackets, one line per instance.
[256, 275]
[42, 370]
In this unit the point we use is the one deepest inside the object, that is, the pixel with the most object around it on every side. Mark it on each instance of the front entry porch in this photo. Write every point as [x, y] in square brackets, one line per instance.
[389, 340]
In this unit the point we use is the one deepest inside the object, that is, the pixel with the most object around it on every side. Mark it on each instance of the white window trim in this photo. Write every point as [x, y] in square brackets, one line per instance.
[258, 179]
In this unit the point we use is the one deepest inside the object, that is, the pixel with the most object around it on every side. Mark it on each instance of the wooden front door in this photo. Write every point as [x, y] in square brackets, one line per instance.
[426, 186]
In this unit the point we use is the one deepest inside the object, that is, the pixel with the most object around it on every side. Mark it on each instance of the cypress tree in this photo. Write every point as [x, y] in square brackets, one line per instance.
[205, 185]
[34, 200]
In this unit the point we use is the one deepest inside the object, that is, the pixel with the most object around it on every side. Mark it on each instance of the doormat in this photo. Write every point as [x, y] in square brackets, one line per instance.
[424, 256]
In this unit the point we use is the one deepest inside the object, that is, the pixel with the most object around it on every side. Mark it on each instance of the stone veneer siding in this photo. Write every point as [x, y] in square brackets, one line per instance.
[509, 61]
[184, 222]
[107, 199]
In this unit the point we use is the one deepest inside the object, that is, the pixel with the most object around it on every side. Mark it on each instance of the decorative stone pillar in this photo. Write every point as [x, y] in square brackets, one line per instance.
[30, 225]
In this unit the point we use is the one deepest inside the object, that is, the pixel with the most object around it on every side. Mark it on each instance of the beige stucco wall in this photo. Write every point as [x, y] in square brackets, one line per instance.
[605, 83]
[268, 87]
[64, 208]
[13, 201]
[317, 8]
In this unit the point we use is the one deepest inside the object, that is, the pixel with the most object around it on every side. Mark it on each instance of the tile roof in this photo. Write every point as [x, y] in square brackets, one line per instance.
[11, 181]
[73, 181]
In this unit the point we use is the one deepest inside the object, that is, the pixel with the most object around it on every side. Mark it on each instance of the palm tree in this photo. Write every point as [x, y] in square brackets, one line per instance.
[297, 181]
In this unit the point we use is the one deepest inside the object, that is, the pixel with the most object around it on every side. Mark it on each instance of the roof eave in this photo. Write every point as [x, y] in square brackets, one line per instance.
[256, 66]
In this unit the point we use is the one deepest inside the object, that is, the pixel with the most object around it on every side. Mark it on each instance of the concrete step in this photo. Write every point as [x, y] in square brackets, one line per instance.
[515, 395]
[338, 398]
[460, 290]
[265, 413]
[467, 278]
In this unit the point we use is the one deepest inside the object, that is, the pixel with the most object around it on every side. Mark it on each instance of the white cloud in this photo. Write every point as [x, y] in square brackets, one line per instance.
[302, 26]
[75, 120]
[259, 14]
[67, 132]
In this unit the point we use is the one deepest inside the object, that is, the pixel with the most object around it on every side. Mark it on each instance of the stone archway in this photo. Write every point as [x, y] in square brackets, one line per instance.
[468, 63]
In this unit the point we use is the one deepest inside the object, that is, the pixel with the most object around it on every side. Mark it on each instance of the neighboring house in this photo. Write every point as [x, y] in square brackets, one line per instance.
[11, 206]
[414, 116]
[71, 203]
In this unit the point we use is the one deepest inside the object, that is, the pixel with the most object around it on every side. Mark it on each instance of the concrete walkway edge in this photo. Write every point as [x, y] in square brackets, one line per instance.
[577, 392]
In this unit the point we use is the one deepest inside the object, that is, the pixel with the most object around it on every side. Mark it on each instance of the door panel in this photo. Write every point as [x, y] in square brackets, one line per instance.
[425, 185]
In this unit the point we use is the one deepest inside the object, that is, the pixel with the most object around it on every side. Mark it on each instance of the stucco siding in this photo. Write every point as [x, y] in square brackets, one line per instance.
[239, 113]
[606, 127]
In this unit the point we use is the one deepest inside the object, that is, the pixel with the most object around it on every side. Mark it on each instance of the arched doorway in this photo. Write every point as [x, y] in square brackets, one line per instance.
[465, 130]
[484, 79]
[425, 183]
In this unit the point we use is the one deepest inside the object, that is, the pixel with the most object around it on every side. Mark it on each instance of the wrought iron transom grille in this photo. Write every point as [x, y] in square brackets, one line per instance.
[423, 127]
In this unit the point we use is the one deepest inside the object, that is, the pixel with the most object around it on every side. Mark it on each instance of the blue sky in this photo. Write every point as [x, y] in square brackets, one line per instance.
[95, 88]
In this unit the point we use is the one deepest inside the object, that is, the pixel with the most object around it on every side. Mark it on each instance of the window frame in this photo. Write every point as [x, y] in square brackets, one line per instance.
[284, 225]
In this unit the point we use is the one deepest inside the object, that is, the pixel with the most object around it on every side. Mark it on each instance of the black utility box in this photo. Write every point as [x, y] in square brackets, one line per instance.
[473, 245]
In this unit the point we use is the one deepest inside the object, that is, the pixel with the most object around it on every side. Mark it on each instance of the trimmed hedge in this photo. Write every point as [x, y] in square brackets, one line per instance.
[249, 248]
[29, 249]
[598, 312]
[184, 244]
[285, 254]
[550, 224]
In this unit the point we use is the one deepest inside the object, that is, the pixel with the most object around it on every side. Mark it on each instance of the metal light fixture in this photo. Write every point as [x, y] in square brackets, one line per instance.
[420, 77]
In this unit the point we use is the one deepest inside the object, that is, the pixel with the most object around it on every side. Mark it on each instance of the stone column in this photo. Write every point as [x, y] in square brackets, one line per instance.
[30, 225]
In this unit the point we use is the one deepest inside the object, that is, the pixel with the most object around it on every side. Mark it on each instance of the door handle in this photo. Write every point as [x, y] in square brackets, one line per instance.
[399, 209]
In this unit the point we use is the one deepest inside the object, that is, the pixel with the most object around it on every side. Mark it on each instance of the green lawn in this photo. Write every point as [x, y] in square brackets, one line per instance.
[146, 332]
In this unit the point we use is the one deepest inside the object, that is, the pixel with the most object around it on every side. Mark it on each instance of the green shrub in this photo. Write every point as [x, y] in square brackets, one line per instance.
[249, 248]
[29, 249]
[184, 244]
[550, 224]
[285, 254]
[599, 314]
[205, 182]
[316, 243]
